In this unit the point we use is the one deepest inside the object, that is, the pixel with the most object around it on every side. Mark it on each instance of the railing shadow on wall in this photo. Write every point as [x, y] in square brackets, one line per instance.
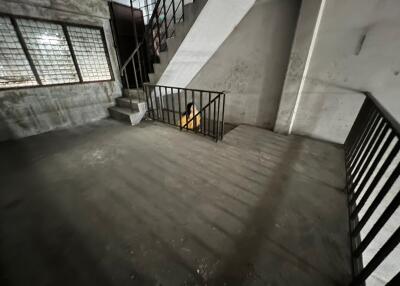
[200, 111]
[372, 151]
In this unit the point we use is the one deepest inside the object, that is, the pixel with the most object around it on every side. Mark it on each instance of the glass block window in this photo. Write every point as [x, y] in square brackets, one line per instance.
[90, 53]
[15, 70]
[49, 50]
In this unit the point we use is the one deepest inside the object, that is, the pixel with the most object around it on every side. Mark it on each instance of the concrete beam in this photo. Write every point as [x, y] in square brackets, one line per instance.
[302, 48]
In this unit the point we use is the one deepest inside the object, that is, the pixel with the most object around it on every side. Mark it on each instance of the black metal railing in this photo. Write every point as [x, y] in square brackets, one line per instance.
[161, 26]
[200, 111]
[372, 168]
[134, 62]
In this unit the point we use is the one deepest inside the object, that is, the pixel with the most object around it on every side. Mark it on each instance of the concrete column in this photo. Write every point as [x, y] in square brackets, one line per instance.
[306, 31]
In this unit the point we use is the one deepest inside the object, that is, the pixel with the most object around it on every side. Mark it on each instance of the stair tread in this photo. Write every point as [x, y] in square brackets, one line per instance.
[127, 99]
[124, 110]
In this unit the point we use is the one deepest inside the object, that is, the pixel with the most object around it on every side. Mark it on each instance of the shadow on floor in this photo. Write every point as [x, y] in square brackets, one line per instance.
[116, 205]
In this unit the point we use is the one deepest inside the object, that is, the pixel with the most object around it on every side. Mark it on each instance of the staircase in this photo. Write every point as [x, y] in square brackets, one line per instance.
[170, 31]
[129, 107]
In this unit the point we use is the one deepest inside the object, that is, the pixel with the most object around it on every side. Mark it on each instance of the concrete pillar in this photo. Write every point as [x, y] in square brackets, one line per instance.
[306, 31]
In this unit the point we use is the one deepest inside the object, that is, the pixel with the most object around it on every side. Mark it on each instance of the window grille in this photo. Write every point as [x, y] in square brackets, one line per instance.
[37, 52]
[90, 53]
[15, 70]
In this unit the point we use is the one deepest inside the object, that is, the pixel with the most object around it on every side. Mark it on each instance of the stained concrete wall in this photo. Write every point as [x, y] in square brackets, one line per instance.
[251, 64]
[356, 49]
[214, 24]
[30, 111]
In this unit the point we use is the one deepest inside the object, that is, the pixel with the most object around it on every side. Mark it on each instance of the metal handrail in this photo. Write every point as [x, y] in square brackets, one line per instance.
[201, 110]
[164, 103]
[130, 57]
[156, 40]
[389, 117]
[184, 88]
[371, 147]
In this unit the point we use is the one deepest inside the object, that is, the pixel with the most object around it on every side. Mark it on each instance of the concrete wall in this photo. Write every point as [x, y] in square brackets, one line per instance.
[342, 47]
[356, 48]
[215, 22]
[251, 64]
[30, 111]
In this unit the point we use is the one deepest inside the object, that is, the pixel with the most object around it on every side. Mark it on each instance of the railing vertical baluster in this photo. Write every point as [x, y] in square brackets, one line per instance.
[364, 120]
[156, 103]
[173, 12]
[165, 20]
[382, 253]
[375, 181]
[391, 208]
[194, 105]
[161, 103]
[223, 116]
[166, 99]
[209, 114]
[183, 11]
[362, 184]
[214, 116]
[173, 105]
[140, 68]
[368, 121]
[202, 125]
[352, 134]
[147, 102]
[373, 145]
[187, 118]
[194, 115]
[136, 80]
[371, 149]
[158, 32]
[151, 100]
[126, 79]
[219, 103]
[179, 108]
[363, 146]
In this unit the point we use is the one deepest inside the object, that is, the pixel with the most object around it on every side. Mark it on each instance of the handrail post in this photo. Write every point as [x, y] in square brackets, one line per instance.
[158, 32]
[183, 10]
[223, 114]
[165, 23]
[173, 12]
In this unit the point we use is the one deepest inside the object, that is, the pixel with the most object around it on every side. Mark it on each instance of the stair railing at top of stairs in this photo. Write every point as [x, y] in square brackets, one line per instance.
[200, 111]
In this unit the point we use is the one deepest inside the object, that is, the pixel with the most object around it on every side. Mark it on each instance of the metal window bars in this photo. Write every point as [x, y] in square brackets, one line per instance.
[371, 149]
[169, 104]
[48, 51]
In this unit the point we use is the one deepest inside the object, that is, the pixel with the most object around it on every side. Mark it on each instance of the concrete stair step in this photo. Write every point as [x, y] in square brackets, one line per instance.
[127, 102]
[134, 93]
[126, 114]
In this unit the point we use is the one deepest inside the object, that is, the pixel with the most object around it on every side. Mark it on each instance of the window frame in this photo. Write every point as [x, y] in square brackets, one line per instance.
[64, 26]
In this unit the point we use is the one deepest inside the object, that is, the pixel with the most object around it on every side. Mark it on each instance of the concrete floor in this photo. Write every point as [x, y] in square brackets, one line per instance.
[111, 204]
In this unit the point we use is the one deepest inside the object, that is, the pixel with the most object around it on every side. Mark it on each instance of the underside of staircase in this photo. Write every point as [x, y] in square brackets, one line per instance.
[131, 107]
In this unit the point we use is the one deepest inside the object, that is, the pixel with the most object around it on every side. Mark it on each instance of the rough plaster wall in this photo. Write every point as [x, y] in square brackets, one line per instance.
[341, 63]
[215, 22]
[30, 111]
[251, 64]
